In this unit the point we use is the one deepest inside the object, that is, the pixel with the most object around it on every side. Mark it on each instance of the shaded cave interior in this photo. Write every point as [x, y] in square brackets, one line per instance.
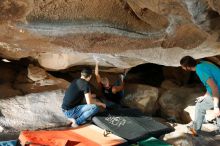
[15, 82]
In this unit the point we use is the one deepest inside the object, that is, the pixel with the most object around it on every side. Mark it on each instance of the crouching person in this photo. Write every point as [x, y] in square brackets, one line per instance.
[72, 108]
[209, 74]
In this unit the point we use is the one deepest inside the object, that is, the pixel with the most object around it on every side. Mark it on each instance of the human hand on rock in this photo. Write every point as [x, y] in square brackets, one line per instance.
[102, 105]
[96, 59]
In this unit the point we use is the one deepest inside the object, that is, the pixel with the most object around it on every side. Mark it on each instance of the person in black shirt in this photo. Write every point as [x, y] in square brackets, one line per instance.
[112, 93]
[76, 112]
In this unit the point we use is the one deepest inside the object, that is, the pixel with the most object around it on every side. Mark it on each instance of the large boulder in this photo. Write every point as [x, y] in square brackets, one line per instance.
[173, 102]
[33, 111]
[143, 97]
[36, 79]
[169, 84]
[36, 73]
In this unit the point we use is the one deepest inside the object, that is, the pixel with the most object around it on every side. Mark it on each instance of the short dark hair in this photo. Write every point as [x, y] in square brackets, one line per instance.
[86, 72]
[188, 61]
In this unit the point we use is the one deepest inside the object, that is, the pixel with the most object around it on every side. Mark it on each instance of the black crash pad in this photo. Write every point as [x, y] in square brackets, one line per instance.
[130, 124]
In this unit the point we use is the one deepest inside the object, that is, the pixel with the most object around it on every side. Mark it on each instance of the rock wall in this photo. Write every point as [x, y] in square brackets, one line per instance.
[60, 35]
[122, 33]
[33, 111]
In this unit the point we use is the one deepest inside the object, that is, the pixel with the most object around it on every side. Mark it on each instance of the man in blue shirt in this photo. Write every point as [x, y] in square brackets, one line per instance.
[72, 108]
[209, 74]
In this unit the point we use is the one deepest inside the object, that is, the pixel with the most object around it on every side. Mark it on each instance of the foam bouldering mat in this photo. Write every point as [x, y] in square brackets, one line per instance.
[80, 136]
[130, 124]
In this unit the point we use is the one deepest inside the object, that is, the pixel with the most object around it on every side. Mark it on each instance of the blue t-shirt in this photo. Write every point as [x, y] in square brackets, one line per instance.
[206, 70]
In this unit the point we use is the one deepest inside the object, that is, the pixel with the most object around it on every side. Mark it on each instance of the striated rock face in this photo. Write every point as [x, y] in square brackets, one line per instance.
[32, 111]
[122, 33]
[66, 35]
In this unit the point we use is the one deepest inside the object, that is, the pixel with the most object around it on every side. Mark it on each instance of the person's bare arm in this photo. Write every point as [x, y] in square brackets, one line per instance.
[119, 88]
[116, 89]
[98, 77]
[90, 100]
[215, 94]
[88, 97]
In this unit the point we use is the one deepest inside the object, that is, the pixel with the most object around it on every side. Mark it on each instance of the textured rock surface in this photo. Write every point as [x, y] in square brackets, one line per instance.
[32, 111]
[181, 136]
[126, 33]
[142, 97]
[167, 84]
[64, 34]
[19, 79]
[36, 73]
[14, 10]
[41, 78]
[174, 101]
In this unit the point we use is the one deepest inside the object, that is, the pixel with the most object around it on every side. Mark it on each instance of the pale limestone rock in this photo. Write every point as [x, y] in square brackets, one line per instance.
[33, 111]
[191, 110]
[210, 115]
[142, 97]
[179, 137]
[182, 137]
